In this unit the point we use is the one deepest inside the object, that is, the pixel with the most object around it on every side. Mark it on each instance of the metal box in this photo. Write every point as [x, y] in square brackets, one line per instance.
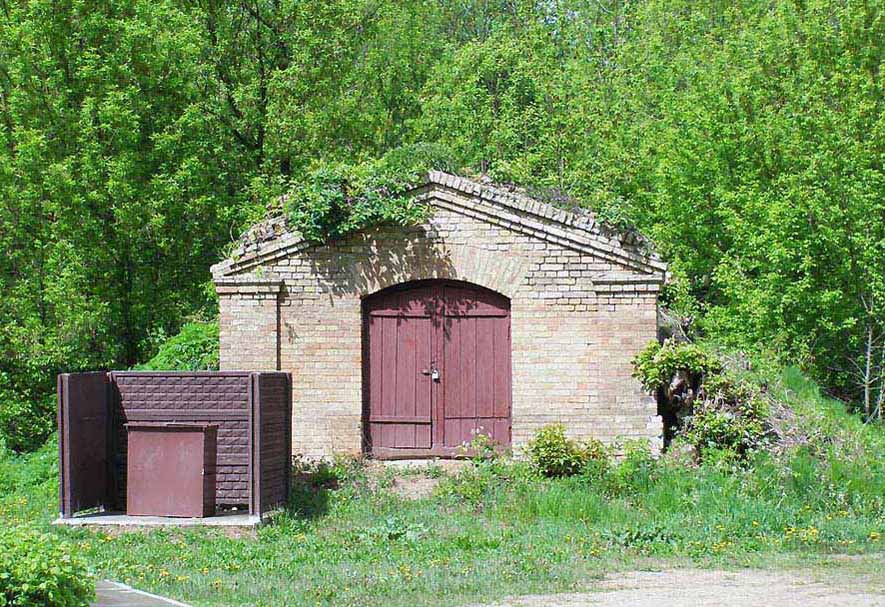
[171, 469]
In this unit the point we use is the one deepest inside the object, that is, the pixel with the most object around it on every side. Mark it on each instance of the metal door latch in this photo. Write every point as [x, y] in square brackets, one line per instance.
[433, 373]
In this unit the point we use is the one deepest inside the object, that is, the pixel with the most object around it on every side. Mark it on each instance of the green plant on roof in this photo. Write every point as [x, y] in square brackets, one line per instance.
[336, 199]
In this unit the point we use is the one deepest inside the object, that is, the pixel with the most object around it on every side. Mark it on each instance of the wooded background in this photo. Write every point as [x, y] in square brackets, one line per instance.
[139, 137]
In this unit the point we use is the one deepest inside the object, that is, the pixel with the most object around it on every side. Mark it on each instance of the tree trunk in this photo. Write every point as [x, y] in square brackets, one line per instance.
[867, 375]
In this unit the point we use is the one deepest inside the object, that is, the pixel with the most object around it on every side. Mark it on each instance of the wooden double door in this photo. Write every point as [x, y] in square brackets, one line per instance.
[437, 369]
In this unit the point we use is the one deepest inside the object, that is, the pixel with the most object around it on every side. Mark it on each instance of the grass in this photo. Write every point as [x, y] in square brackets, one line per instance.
[494, 529]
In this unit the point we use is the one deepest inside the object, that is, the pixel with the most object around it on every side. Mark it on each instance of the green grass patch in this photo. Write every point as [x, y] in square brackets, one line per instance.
[497, 529]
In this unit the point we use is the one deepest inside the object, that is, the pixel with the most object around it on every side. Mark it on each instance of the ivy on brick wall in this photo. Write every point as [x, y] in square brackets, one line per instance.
[335, 199]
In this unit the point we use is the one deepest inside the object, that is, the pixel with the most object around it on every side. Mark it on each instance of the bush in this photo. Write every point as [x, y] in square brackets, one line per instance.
[553, 455]
[195, 348]
[38, 570]
[730, 416]
[703, 404]
[336, 199]
[634, 471]
[658, 364]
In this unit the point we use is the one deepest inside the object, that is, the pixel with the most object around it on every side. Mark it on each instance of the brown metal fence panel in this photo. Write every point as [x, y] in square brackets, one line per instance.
[191, 397]
[83, 413]
[271, 432]
[252, 412]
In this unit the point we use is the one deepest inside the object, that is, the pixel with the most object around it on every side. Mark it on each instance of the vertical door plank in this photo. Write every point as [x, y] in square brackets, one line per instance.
[423, 358]
[502, 371]
[388, 378]
[404, 399]
[468, 366]
[451, 372]
[376, 343]
[485, 366]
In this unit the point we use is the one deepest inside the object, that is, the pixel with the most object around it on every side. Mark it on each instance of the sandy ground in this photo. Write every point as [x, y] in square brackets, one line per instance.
[688, 587]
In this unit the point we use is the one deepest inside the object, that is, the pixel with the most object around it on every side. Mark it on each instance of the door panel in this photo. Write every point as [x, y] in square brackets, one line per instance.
[476, 400]
[485, 366]
[399, 399]
[456, 329]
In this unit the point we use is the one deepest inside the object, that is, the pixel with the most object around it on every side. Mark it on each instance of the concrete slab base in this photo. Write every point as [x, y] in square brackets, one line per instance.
[115, 594]
[119, 519]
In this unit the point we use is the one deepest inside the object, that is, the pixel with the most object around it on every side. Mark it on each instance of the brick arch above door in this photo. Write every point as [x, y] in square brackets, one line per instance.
[491, 269]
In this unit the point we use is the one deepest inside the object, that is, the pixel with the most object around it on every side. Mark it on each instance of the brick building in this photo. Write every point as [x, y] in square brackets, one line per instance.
[500, 314]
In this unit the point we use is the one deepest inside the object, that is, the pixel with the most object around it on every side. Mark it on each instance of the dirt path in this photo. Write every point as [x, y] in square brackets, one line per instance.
[690, 587]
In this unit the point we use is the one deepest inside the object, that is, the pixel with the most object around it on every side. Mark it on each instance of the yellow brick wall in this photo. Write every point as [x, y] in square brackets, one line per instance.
[574, 329]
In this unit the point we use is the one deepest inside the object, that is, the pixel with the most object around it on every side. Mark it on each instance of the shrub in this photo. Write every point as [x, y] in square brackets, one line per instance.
[195, 348]
[38, 570]
[730, 417]
[658, 363]
[489, 466]
[471, 485]
[335, 199]
[481, 448]
[634, 470]
[554, 455]
[714, 428]
[703, 404]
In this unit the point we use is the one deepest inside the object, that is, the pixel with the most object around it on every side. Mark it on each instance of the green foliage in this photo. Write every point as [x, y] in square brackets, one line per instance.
[26, 420]
[710, 429]
[393, 529]
[336, 199]
[633, 472]
[658, 363]
[29, 485]
[831, 431]
[351, 539]
[731, 417]
[711, 409]
[756, 131]
[136, 138]
[194, 348]
[341, 469]
[554, 455]
[481, 449]
[39, 570]
[480, 482]
[474, 484]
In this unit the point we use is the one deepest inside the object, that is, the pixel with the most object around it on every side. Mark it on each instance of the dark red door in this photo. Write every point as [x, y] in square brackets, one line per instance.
[438, 368]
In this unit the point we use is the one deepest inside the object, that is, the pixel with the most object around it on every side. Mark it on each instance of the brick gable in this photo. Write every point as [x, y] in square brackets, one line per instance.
[583, 302]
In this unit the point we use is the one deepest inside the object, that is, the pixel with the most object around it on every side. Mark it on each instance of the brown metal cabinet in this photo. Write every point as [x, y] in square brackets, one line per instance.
[171, 469]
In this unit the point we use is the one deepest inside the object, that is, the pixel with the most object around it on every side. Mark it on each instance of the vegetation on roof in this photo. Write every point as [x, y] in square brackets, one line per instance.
[334, 199]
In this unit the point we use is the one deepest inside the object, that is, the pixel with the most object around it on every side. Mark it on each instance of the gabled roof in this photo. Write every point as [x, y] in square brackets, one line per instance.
[506, 206]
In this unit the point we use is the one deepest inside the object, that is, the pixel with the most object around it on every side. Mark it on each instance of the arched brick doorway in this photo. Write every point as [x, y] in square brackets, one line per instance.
[437, 368]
